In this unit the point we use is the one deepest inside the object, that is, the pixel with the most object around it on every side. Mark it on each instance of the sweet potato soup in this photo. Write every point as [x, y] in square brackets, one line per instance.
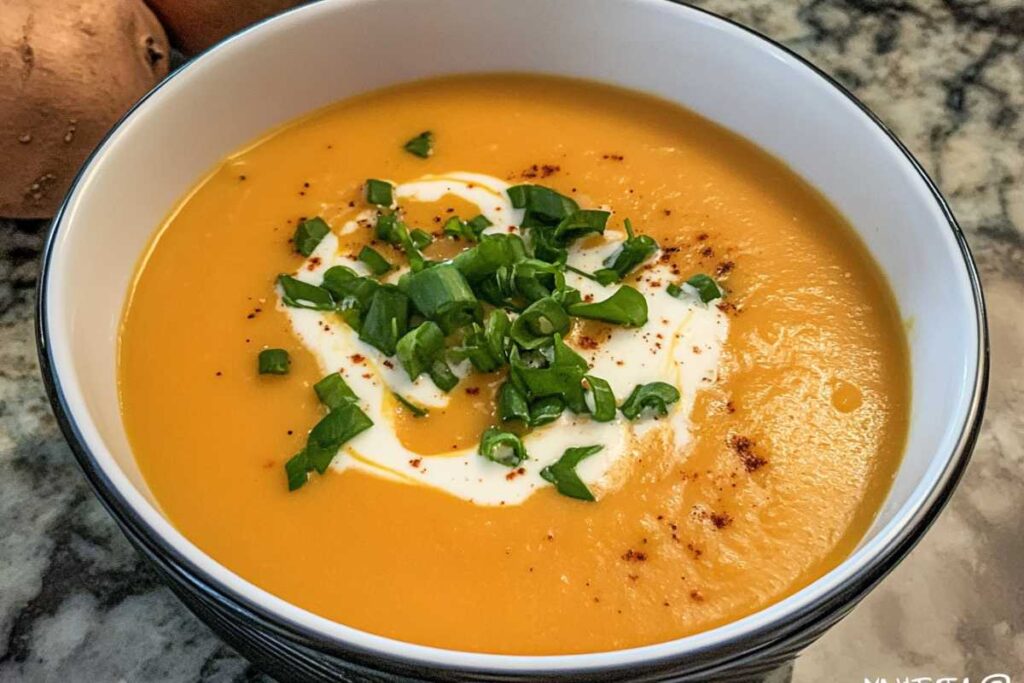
[513, 364]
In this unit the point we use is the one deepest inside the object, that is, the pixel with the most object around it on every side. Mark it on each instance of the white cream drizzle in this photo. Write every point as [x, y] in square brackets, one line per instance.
[681, 344]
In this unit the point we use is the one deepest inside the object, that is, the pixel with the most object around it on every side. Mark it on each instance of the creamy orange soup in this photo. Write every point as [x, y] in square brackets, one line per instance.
[793, 438]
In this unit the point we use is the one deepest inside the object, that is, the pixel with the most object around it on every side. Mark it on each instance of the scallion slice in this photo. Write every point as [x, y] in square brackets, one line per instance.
[333, 391]
[377, 264]
[536, 325]
[545, 410]
[504, 448]
[601, 399]
[273, 362]
[422, 145]
[299, 294]
[706, 287]
[632, 254]
[512, 404]
[308, 235]
[654, 397]
[386, 319]
[626, 307]
[415, 410]
[419, 347]
[563, 473]
[379, 192]
[441, 293]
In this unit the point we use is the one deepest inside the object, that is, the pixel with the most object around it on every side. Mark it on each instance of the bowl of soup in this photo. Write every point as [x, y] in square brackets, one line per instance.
[589, 339]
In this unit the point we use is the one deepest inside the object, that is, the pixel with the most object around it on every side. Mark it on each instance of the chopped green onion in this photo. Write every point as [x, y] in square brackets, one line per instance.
[563, 473]
[534, 279]
[308, 234]
[535, 326]
[705, 286]
[512, 404]
[274, 362]
[655, 396]
[299, 294]
[562, 377]
[296, 470]
[417, 411]
[333, 391]
[352, 292]
[545, 410]
[422, 145]
[602, 399]
[486, 347]
[487, 258]
[442, 294]
[421, 239]
[442, 376]
[389, 228]
[419, 347]
[468, 230]
[336, 428]
[386, 319]
[543, 205]
[379, 192]
[579, 224]
[626, 307]
[504, 448]
[633, 252]
[377, 264]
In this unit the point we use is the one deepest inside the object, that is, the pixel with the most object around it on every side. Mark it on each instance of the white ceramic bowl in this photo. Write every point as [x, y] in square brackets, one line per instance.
[335, 49]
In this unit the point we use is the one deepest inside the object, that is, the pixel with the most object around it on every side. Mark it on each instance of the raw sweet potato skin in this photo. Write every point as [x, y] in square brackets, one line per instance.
[69, 69]
[195, 25]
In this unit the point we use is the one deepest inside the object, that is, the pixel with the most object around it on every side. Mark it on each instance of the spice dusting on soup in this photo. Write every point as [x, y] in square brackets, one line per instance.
[514, 350]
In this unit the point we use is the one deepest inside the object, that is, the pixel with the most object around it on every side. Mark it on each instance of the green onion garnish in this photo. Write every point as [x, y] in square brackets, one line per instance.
[386, 319]
[504, 448]
[468, 230]
[536, 325]
[543, 205]
[626, 307]
[273, 362]
[562, 376]
[344, 421]
[417, 411]
[579, 224]
[296, 470]
[422, 145]
[563, 473]
[512, 404]
[308, 234]
[299, 294]
[379, 192]
[632, 254]
[545, 410]
[421, 239]
[333, 391]
[705, 286]
[655, 397]
[419, 347]
[602, 399]
[332, 431]
[377, 264]
[441, 293]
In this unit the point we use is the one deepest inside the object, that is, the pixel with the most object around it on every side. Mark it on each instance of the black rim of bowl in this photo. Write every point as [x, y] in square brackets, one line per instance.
[759, 640]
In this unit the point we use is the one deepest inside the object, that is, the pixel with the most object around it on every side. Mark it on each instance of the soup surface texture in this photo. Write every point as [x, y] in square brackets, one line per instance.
[787, 436]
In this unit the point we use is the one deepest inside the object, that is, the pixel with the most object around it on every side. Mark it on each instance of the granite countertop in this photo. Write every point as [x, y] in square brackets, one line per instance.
[77, 604]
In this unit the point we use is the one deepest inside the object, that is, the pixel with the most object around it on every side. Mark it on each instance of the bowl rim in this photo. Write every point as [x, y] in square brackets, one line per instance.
[758, 634]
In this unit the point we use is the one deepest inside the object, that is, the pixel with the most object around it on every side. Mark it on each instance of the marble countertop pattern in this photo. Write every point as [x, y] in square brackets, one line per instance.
[77, 604]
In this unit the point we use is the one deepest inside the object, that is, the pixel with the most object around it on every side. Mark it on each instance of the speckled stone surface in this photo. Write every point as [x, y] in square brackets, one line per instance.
[76, 604]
